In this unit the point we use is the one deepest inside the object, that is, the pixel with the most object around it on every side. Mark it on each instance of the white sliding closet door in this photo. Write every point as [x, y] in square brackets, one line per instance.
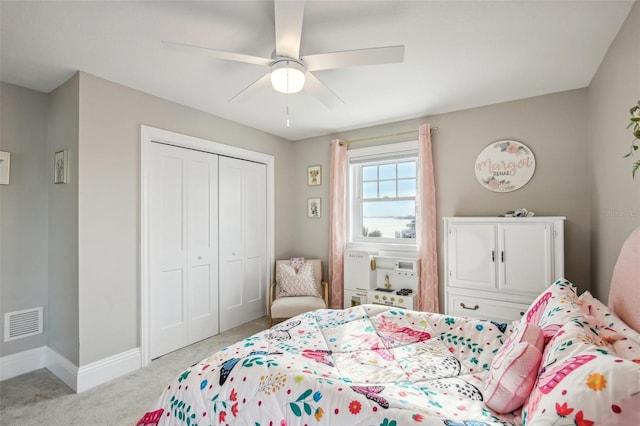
[183, 223]
[243, 242]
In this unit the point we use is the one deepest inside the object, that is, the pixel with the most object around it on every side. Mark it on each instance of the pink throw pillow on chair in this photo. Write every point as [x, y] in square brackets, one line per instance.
[300, 283]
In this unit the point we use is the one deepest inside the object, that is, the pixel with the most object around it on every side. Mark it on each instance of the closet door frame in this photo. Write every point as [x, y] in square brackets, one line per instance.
[149, 135]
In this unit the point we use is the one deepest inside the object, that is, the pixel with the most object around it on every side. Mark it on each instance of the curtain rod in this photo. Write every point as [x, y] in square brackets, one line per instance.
[391, 135]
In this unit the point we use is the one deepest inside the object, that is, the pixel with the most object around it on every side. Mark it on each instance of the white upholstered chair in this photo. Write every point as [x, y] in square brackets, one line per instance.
[282, 308]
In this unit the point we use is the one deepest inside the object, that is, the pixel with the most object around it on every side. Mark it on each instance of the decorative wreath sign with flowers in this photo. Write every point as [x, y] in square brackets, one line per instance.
[634, 123]
[505, 166]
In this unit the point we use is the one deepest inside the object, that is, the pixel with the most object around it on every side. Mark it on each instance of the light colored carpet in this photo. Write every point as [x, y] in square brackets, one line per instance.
[40, 398]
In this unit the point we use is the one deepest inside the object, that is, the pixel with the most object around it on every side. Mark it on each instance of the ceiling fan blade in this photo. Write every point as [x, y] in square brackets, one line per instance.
[218, 54]
[320, 90]
[289, 15]
[263, 81]
[353, 58]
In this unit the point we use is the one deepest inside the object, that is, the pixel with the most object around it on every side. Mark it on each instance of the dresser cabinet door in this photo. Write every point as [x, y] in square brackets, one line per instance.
[472, 255]
[525, 253]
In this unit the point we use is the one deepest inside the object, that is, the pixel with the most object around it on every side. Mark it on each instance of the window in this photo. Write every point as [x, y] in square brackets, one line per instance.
[382, 196]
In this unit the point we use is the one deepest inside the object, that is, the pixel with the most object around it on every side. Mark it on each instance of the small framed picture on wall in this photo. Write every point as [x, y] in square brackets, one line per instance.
[60, 167]
[5, 167]
[314, 208]
[314, 175]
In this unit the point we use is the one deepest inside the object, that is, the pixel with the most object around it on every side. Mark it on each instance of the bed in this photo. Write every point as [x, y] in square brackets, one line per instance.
[571, 360]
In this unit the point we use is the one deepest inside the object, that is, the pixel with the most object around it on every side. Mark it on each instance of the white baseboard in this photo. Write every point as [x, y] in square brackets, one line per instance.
[22, 362]
[64, 369]
[77, 378]
[99, 372]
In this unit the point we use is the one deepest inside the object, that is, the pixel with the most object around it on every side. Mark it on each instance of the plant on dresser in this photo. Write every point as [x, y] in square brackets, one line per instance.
[496, 266]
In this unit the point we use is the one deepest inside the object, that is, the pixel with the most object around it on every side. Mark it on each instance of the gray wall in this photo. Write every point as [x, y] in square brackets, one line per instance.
[79, 242]
[109, 202]
[23, 209]
[553, 126]
[312, 235]
[62, 134]
[615, 197]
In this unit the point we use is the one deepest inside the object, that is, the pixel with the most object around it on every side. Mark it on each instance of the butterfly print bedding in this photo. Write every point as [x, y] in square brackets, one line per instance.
[280, 332]
[367, 365]
[372, 393]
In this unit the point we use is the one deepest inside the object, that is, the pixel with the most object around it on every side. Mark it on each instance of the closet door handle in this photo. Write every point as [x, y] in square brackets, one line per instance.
[475, 308]
[502, 256]
[493, 256]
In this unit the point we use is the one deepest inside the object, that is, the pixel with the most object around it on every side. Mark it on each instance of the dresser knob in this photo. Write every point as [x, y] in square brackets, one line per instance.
[521, 313]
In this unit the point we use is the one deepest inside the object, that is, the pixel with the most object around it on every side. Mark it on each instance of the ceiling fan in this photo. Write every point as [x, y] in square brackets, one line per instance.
[290, 72]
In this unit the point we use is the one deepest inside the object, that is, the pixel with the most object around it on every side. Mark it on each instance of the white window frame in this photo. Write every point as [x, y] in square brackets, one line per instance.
[354, 225]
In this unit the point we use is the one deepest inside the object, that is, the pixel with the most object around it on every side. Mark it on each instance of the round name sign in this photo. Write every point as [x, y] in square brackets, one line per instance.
[505, 166]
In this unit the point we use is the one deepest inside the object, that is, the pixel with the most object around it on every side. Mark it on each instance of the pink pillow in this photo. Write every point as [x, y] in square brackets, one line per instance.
[609, 324]
[526, 332]
[624, 339]
[583, 381]
[555, 307]
[512, 375]
[514, 368]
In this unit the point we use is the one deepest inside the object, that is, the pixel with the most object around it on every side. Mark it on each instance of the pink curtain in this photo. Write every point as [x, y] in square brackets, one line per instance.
[337, 225]
[426, 231]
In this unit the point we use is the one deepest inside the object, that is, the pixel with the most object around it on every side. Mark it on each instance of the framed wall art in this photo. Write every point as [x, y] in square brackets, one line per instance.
[5, 167]
[314, 208]
[60, 167]
[314, 175]
[504, 166]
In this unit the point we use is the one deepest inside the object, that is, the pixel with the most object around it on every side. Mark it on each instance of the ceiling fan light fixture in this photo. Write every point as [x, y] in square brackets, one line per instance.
[287, 76]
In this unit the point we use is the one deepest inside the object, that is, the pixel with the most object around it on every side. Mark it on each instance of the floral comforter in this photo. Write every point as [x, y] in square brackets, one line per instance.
[367, 365]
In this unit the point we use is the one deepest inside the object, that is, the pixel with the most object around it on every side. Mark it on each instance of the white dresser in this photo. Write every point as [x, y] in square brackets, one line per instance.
[495, 266]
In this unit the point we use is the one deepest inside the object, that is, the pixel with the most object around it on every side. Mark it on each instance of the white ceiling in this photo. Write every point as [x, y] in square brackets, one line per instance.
[459, 54]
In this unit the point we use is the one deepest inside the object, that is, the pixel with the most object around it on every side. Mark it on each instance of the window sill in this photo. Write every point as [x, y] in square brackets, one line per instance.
[386, 249]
